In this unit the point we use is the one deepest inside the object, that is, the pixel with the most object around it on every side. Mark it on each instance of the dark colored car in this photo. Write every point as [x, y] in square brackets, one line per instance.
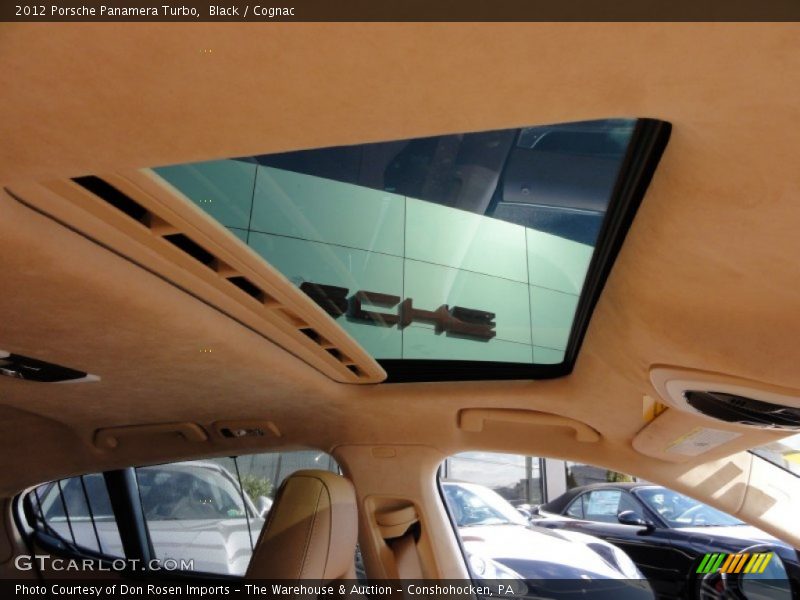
[666, 533]
[501, 545]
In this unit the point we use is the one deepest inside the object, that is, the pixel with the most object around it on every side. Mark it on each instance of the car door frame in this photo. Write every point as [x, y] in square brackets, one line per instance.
[139, 555]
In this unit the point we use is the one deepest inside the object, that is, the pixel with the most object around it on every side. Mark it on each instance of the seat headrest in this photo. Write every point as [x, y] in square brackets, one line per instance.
[310, 532]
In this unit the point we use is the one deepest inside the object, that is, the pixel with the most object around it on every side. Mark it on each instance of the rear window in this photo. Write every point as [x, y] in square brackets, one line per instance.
[203, 515]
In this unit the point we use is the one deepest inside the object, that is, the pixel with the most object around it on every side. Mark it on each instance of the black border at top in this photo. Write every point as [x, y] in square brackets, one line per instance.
[416, 11]
[648, 141]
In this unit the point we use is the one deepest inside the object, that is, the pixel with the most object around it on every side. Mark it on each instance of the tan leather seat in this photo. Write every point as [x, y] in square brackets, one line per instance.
[310, 532]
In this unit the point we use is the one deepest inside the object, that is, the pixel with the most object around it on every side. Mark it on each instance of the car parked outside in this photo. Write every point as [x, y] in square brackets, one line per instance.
[666, 533]
[500, 543]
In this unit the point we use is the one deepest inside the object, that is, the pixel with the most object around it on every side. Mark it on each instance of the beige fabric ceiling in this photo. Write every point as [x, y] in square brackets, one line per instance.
[707, 279]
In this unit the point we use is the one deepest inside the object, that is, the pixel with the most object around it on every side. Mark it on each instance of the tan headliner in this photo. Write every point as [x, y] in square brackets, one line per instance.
[707, 277]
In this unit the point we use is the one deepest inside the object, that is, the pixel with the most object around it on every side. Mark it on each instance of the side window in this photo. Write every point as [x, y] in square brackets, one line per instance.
[627, 502]
[490, 497]
[205, 513]
[77, 511]
[211, 512]
[602, 505]
[190, 491]
[575, 510]
[518, 479]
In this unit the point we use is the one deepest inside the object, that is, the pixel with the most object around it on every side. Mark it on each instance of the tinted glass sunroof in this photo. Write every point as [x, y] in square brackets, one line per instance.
[449, 257]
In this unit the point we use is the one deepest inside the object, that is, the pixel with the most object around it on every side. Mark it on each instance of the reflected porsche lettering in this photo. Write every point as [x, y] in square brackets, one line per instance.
[456, 320]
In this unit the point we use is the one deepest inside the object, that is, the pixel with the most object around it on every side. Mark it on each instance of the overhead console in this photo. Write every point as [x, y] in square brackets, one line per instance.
[708, 415]
[728, 399]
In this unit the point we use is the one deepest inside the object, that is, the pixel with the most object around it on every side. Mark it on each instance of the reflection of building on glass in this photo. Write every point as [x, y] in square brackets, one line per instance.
[456, 320]
[458, 247]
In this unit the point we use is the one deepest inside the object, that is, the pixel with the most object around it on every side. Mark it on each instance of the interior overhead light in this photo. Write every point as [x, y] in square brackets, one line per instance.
[31, 369]
[728, 399]
[743, 410]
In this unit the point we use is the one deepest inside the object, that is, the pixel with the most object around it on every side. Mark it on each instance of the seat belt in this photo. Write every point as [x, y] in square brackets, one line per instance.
[406, 556]
[399, 530]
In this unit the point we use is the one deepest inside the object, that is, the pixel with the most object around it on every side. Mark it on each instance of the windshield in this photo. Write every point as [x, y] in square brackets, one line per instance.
[681, 511]
[477, 505]
[785, 453]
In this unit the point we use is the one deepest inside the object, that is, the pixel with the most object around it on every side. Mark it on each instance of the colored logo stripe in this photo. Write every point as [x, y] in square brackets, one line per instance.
[726, 566]
[739, 563]
[735, 563]
[702, 567]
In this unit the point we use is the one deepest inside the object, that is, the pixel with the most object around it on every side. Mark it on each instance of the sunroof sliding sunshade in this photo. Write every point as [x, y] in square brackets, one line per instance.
[470, 256]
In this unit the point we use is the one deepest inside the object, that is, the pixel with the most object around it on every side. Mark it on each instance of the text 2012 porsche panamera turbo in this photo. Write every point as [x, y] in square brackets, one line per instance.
[320, 263]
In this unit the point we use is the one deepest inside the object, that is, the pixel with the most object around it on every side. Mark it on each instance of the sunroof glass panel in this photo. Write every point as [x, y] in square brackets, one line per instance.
[471, 247]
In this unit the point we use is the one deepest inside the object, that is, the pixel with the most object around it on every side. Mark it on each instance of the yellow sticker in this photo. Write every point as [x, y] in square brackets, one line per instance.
[651, 409]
